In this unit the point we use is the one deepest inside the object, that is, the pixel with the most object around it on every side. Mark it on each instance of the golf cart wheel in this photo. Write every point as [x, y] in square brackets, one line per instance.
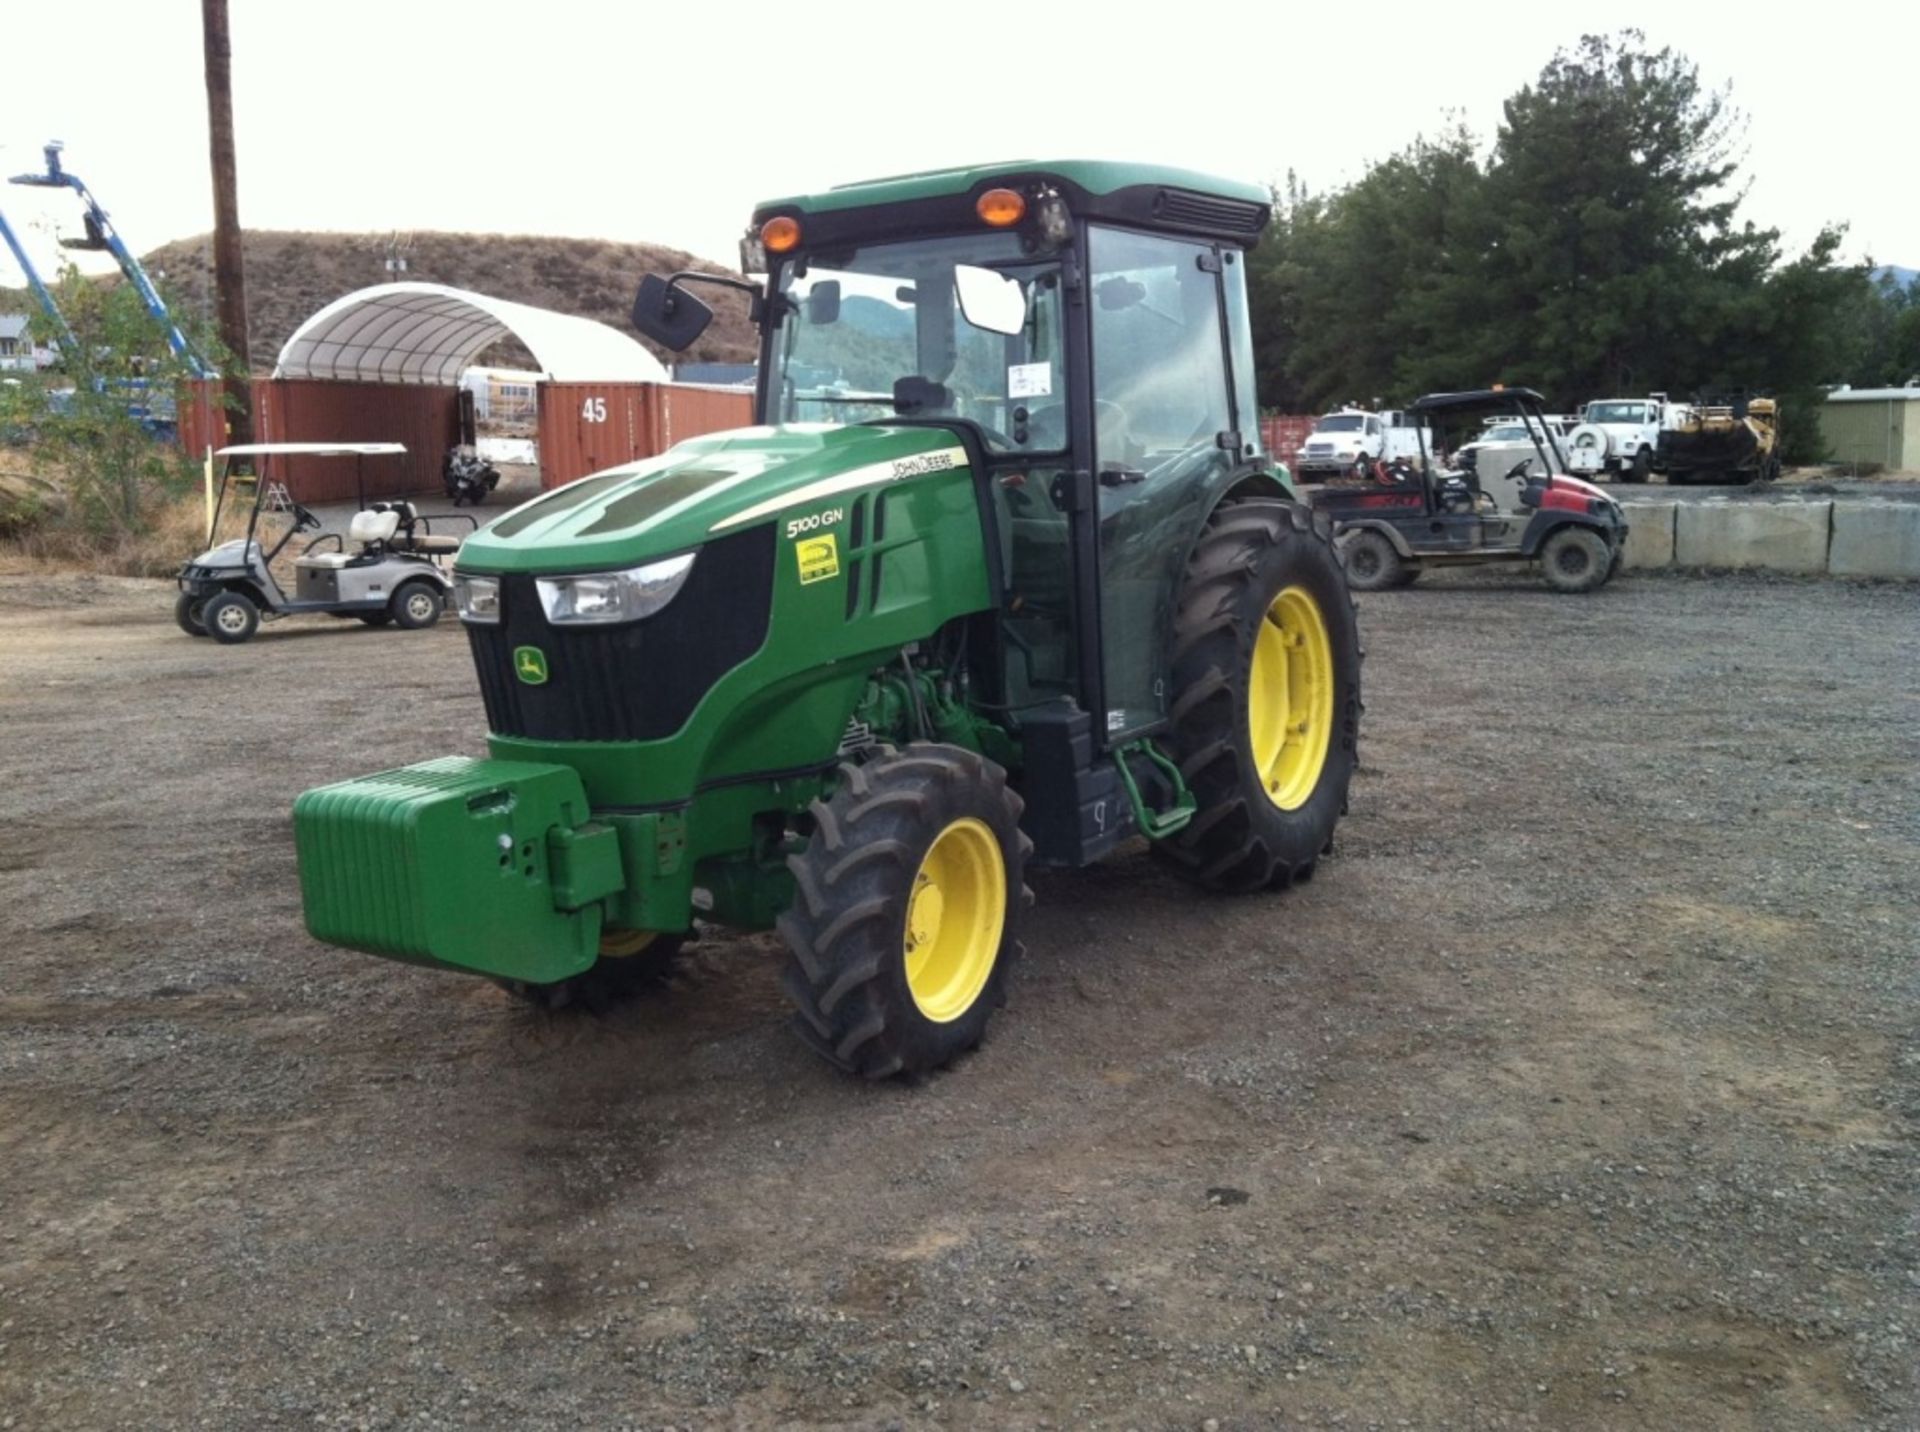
[1576, 559]
[906, 910]
[188, 611]
[230, 617]
[1266, 698]
[631, 963]
[1372, 563]
[417, 604]
[1640, 469]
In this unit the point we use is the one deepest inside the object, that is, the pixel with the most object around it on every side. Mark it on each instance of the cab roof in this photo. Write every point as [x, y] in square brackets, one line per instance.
[1144, 195]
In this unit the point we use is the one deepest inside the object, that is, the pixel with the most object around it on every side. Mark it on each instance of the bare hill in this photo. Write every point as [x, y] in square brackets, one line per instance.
[291, 274]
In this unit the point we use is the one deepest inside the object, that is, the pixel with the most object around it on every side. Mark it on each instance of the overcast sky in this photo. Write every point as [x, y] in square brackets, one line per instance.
[580, 118]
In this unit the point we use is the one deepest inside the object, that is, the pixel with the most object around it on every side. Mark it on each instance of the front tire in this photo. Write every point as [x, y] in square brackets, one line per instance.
[1266, 704]
[1373, 564]
[1640, 469]
[416, 605]
[1576, 559]
[230, 618]
[906, 910]
[631, 963]
[189, 614]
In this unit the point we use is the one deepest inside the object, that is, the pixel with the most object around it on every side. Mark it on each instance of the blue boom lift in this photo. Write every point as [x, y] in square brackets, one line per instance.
[156, 412]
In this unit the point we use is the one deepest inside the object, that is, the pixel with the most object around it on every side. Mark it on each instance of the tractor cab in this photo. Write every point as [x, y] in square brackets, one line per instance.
[1489, 485]
[1000, 574]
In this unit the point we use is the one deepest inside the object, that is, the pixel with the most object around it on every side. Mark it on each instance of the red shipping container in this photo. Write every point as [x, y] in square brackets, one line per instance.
[588, 427]
[1283, 435]
[309, 410]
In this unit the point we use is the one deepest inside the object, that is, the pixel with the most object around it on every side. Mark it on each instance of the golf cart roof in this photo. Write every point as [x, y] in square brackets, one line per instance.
[311, 449]
[1509, 399]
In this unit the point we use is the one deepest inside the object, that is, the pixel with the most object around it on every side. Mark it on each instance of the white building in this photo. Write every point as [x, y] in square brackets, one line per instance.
[16, 348]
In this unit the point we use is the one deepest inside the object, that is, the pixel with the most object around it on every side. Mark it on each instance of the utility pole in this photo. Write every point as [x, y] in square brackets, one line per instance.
[229, 267]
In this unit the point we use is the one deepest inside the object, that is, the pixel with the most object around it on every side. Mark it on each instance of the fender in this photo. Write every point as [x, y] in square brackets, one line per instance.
[1385, 529]
[1549, 520]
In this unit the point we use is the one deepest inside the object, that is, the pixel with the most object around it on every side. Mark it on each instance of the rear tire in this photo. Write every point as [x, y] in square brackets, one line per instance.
[612, 979]
[1576, 559]
[906, 910]
[1265, 606]
[188, 611]
[1373, 564]
[417, 604]
[230, 618]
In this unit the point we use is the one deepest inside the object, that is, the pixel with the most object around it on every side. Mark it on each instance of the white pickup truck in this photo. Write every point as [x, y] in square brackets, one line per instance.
[1621, 436]
[1348, 439]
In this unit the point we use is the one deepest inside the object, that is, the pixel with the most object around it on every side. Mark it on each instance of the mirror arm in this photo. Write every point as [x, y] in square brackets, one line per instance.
[745, 285]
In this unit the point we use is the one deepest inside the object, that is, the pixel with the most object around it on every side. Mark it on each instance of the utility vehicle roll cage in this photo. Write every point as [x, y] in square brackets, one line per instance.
[1523, 403]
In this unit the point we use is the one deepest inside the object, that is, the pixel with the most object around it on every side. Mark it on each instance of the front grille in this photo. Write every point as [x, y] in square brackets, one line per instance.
[638, 682]
[1209, 212]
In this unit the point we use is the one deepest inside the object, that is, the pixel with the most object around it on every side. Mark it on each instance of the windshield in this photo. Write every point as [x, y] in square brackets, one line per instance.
[877, 331]
[1340, 423]
[1615, 412]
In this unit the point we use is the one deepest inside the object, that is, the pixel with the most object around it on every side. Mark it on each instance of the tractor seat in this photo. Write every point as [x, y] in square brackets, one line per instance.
[426, 542]
[373, 526]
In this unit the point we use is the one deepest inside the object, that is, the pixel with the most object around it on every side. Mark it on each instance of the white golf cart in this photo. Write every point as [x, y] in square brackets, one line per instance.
[390, 566]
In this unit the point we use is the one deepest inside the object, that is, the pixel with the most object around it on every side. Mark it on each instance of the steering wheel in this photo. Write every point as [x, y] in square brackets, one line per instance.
[303, 520]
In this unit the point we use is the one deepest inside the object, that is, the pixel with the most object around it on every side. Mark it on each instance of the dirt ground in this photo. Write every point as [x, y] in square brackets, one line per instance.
[1579, 1090]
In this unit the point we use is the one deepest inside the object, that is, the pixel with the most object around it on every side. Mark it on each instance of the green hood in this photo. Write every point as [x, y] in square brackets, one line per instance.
[704, 487]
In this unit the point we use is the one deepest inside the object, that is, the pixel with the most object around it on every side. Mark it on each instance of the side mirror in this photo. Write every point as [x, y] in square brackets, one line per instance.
[915, 394]
[668, 314]
[823, 302]
[990, 300]
[1117, 293]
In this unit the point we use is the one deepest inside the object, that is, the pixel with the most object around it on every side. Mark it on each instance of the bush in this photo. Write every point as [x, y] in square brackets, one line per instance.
[99, 479]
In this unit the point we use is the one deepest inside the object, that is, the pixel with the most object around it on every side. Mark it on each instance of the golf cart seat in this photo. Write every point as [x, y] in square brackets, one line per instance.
[373, 526]
[426, 542]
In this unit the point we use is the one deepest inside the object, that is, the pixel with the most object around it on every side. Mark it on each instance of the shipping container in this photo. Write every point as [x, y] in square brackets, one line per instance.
[587, 427]
[309, 410]
[1283, 435]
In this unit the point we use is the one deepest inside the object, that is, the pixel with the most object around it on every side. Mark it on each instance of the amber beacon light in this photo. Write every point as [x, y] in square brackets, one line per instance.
[1000, 207]
[780, 234]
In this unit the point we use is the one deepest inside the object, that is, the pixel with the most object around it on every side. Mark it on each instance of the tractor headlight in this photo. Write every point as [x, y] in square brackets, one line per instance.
[606, 598]
[477, 599]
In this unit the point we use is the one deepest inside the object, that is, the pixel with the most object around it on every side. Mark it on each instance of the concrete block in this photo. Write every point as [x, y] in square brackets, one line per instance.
[1649, 533]
[1773, 536]
[1875, 539]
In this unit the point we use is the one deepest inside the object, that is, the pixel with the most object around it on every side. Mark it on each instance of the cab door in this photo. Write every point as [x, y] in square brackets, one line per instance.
[1167, 441]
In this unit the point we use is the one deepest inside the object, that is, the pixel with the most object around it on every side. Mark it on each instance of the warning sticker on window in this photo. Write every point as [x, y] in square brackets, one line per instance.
[1030, 380]
[819, 558]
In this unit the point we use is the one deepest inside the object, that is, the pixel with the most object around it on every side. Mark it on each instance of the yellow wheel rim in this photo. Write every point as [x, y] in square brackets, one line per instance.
[1290, 698]
[616, 944]
[955, 914]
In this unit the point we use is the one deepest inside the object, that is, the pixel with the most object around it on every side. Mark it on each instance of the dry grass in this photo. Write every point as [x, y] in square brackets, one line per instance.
[175, 531]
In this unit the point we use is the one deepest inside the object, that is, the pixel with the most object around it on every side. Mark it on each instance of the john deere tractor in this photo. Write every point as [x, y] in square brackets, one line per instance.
[1002, 577]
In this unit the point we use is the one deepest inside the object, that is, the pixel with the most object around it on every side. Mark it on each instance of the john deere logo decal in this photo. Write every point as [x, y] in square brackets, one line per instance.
[530, 665]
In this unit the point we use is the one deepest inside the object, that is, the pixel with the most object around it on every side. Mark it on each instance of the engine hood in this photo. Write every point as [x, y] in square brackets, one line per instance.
[703, 488]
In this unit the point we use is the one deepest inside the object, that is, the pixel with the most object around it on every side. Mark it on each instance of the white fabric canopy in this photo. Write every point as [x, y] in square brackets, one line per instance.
[428, 333]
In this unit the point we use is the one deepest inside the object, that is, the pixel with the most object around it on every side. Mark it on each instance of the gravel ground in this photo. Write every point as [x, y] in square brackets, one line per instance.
[1577, 1091]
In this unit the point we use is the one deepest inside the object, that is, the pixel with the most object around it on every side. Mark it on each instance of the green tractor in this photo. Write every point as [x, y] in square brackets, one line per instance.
[1003, 577]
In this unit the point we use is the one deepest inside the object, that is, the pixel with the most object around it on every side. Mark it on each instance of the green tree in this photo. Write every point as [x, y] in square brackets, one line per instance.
[95, 414]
